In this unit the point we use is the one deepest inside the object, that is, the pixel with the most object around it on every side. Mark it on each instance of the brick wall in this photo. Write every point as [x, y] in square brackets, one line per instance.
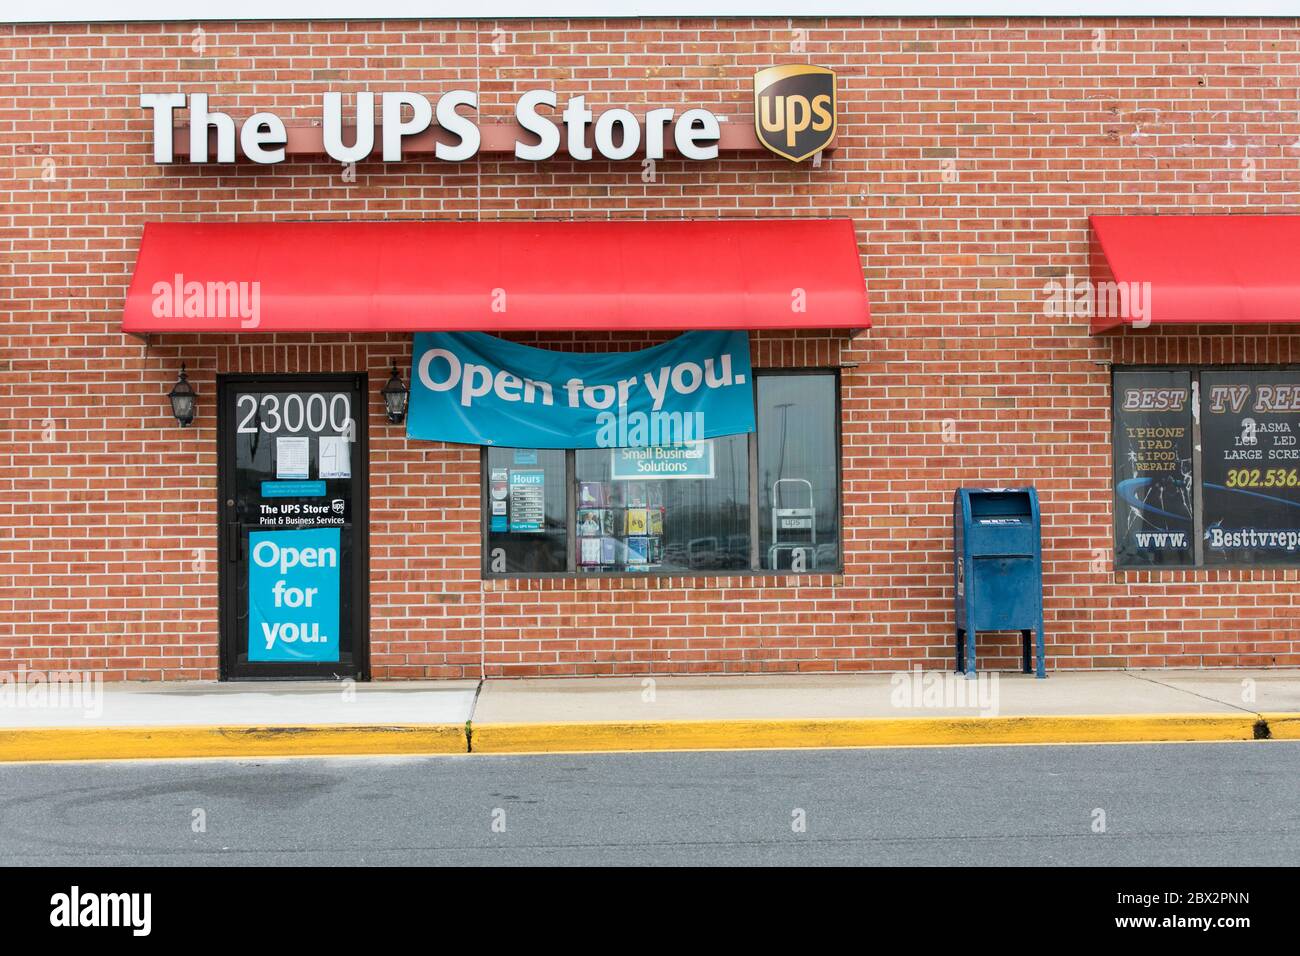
[970, 154]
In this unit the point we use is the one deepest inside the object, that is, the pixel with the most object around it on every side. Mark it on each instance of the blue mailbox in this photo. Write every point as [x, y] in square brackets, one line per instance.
[997, 569]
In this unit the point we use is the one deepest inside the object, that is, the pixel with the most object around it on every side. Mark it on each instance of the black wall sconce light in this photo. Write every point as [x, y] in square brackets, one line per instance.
[395, 396]
[184, 399]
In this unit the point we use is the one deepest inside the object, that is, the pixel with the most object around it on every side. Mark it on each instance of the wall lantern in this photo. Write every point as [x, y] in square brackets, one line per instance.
[395, 396]
[183, 399]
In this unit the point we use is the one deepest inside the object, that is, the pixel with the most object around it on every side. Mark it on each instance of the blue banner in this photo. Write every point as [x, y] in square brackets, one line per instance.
[293, 595]
[476, 389]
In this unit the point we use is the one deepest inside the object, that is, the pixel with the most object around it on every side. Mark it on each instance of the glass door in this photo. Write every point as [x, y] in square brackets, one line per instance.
[293, 521]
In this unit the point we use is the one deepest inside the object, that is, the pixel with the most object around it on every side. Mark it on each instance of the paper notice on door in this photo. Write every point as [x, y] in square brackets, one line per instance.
[335, 457]
[292, 457]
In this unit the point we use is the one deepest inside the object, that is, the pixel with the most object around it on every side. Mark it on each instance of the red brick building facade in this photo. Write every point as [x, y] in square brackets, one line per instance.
[970, 154]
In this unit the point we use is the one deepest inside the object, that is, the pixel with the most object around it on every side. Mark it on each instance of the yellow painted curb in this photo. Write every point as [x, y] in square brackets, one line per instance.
[120, 743]
[858, 732]
[1283, 726]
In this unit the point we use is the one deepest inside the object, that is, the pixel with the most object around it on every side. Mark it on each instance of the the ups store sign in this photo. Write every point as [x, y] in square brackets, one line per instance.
[794, 110]
[794, 116]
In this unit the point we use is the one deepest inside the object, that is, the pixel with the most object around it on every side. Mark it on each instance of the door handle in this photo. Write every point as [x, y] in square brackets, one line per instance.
[233, 542]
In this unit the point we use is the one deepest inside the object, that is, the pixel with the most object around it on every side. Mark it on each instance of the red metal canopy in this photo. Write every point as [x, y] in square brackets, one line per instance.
[497, 276]
[1200, 269]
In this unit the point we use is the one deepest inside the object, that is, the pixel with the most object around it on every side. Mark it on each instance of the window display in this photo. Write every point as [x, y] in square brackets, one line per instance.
[1207, 467]
[691, 508]
[685, 517]
[1153, 468]
[527, 510]
[1250, 471]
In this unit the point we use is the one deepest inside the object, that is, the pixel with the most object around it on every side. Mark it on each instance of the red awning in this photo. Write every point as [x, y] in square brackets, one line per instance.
[1200, 269]
[497, 276]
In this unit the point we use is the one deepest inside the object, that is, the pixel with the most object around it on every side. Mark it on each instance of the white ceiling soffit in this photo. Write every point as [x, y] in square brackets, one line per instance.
[116, 11]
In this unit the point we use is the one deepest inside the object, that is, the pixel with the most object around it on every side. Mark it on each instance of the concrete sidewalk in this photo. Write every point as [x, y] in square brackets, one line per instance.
[641, 713]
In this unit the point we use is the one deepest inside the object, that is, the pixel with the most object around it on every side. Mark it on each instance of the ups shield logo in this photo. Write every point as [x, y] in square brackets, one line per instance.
[794, 110]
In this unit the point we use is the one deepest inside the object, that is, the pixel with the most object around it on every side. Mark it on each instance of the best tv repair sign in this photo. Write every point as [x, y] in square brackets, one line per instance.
[476, 389]
[293, 595]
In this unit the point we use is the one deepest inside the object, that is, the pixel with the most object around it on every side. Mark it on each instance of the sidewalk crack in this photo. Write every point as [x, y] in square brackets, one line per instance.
[469, 721]
[1212, 700]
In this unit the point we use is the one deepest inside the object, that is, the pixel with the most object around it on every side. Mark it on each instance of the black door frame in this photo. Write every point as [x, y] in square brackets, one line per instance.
[229, 668]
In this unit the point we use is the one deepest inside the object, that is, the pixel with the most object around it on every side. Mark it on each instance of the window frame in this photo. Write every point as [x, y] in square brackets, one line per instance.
[570, 465]
[1198, 504]
[485, 519]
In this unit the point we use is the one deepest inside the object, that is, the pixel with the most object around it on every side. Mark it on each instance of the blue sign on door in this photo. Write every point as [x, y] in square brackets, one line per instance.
[293, 595]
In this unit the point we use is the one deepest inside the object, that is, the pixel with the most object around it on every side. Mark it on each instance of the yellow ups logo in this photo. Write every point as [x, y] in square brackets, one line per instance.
[794, 110]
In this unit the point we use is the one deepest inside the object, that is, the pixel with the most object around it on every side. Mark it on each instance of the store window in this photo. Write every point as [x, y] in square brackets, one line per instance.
[684, 510]
[527, 511]
[1207, 467]
[699, 523]
[798, 471]
[1154, 490]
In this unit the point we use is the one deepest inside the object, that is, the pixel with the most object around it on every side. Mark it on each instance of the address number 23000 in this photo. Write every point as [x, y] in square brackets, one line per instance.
[296, 414]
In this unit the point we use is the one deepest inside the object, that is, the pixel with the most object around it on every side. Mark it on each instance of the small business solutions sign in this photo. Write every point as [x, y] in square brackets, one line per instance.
[794, 117]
